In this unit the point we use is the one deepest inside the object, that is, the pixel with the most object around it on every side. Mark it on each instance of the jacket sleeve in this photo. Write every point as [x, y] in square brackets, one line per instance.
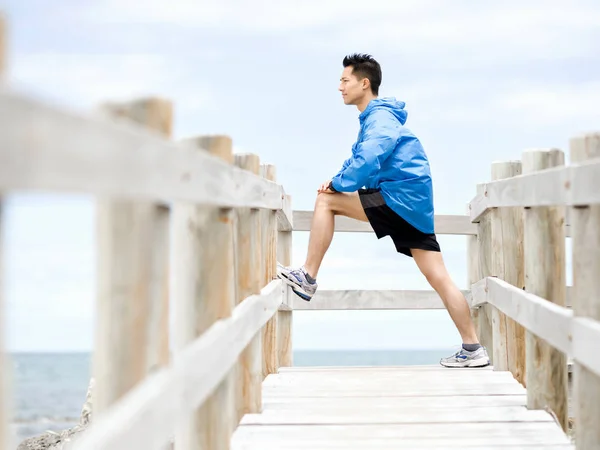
[379, 141]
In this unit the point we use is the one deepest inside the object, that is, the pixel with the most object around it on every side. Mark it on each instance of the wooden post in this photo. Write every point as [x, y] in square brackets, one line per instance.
[585, 295]
[269, 270]
[204, 291]
[248, 282]
[473, 277]
[5, 393]
[508, 265]
[544, 239]
[132, 303]
[484, 252]
[284, 318]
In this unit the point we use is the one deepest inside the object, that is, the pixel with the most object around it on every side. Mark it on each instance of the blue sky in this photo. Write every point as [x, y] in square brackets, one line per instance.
[481, 82]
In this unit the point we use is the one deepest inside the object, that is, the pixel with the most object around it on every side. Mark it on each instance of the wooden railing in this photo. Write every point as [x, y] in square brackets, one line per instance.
[520, 299]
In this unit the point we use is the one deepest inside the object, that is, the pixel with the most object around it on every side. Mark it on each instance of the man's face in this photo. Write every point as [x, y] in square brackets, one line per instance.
[351, 88]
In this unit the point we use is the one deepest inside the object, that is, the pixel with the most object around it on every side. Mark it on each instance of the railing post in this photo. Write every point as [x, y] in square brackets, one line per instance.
[284, 317]
[507, 245]
[248, 282]
[473, 276]
[132, 303]
[544, 239]
[484, 251]
[210, 297]
[5, 393]
[269, 268]
[585, 235]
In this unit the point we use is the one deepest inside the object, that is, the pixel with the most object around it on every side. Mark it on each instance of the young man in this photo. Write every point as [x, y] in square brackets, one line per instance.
[386, 182]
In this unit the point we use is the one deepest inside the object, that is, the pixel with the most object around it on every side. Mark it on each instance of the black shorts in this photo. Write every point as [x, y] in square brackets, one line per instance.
[386, 222]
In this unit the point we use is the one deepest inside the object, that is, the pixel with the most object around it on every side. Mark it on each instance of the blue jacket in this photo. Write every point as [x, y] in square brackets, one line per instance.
[389, 157]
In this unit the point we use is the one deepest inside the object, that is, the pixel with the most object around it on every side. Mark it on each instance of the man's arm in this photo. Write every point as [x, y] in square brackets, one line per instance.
[380, 139]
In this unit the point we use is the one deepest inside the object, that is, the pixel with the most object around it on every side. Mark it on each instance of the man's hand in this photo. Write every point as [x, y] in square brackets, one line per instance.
[324, 188]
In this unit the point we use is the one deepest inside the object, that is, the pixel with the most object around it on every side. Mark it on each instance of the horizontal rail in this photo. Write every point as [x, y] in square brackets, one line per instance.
[444, 224]
[45, 148]
[553, 323]
[572, 185]
[370, 300]
[146, 418]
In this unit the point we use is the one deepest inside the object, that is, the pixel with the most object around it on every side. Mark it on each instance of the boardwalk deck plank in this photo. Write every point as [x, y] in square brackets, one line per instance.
[395, 407]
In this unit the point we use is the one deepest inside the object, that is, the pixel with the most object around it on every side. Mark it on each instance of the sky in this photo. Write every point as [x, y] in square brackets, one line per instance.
[482, 82]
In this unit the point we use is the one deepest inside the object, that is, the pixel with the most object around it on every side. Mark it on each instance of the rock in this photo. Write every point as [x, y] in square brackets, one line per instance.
[57, 441]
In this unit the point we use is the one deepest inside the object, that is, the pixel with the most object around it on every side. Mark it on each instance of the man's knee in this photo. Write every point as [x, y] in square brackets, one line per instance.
[325, 201]
[436, 277]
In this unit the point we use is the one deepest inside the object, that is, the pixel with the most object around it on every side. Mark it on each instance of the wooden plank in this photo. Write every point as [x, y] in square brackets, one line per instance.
[586, 336]
[371, 300]
[132, 298]
[586, 302]
[147, 416]
[376, 436]
[308, 404]
[548, 321]
[213, 299]
[567, 186]
[473, 276]
[547, 377]
[269, 270]
[509, 261]
[284, 317]
[356, 416]
[285, 221]
[249, 280]
[444, 224]
[46, 148]
[5, 391]
[486, 268]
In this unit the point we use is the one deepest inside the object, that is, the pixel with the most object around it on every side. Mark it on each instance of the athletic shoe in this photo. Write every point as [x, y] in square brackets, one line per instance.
[464, 358]
[296, 278]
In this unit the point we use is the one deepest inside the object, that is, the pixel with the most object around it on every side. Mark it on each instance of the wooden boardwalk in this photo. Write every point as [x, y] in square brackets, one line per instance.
[396, 408]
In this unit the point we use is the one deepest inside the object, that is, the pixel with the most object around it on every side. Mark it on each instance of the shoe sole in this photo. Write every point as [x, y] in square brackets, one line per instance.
[481, 362]
[295, 288]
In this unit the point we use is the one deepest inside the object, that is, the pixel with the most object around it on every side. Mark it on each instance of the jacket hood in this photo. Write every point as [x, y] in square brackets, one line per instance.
[396, 107]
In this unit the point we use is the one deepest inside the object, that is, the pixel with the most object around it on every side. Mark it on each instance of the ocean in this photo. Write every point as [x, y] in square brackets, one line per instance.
[49, 388]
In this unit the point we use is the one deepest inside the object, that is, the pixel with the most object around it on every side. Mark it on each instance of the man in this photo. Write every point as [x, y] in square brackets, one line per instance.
[386, 182]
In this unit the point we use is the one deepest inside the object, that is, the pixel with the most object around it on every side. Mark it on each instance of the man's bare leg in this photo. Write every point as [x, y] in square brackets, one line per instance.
[327, 206]
[431, 264]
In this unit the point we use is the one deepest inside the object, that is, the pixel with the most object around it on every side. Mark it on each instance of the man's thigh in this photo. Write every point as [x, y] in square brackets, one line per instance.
[346, 204]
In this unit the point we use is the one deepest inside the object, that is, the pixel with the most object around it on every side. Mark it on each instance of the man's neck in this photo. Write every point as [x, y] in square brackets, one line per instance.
[362, 105]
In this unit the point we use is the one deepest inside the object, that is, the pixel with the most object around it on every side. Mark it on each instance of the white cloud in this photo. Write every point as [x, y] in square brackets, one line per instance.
[554, 103]
[86, 80]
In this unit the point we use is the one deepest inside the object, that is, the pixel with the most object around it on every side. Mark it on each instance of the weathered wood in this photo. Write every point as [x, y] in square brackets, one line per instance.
[485, 252]
[567, 186]
[285, 220]
[473, 276]
[5, 443]
[533, 435]
[444, 224]
[132, 302]
[585, 222]
[249, 281]
[284, 318]
[211, 426]
[339, 299]
[507, 257]
[545, 320]
[269, 269]
[544, 236]
[106, 157]
[146, 418]
[5, 392]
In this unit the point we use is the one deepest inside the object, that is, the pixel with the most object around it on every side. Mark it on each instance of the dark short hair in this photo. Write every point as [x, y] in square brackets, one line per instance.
[365, 66]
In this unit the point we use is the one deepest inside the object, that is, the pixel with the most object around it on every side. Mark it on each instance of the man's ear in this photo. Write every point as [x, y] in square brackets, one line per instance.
[366, 83]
